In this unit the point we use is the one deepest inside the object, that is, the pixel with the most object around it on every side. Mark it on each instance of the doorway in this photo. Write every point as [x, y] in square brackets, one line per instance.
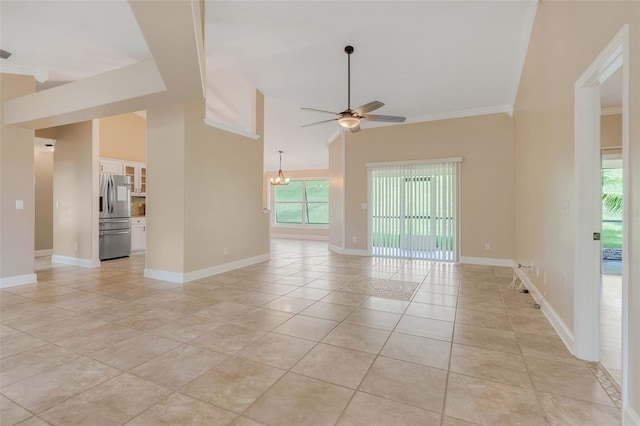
[588, 203]
[611, 290]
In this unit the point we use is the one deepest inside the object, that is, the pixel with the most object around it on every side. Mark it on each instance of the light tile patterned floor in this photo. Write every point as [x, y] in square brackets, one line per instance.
[298, 340]
[611, 326]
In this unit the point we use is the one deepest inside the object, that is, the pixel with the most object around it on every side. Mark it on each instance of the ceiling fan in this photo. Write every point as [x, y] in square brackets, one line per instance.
[350, 118]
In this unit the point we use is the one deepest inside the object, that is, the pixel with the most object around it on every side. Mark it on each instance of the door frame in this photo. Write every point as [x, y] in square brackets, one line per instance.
[588, 204]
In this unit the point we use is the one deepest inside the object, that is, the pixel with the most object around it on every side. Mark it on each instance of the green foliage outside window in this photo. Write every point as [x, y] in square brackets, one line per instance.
[303, 202]
[612, 208]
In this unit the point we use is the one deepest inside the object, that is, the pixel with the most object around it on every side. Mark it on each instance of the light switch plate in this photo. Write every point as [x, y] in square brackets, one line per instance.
[19, 204]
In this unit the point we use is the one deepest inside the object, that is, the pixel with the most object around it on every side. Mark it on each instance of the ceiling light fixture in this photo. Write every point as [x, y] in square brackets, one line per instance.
[348, 121]
[280, 180]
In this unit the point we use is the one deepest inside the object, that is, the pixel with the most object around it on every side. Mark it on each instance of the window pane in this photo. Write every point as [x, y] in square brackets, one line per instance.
[317, 190]
[317, 213]
[291, 192]
[289, 213]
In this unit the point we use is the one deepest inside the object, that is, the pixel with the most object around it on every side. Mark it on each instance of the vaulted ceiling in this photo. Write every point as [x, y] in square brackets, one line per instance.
[424, 59]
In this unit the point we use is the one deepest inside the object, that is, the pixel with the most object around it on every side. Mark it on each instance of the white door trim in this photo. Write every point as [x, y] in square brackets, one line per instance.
[588, 205]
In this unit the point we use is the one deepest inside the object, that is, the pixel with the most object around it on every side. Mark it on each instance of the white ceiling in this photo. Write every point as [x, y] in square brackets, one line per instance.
[423, 59]
[71, 40]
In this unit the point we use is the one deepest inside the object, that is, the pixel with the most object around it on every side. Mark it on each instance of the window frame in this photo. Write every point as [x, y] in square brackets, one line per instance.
[303, 203]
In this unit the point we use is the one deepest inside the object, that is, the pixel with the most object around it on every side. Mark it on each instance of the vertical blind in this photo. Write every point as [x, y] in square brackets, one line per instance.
[413, 209]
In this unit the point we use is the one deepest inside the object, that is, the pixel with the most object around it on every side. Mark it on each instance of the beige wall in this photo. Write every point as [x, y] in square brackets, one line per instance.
[123, 137]
[223, 192]
[611, 133]
[544, 142]
[486, 176]
[43, 199]
[336, 191]
[16, 183]
[283, 231]
[49, 133]
[207, 192]
[165, 209]
[72, 191]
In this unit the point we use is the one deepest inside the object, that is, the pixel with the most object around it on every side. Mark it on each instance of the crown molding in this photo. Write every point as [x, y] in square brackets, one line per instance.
[461, 114]
[333, 137]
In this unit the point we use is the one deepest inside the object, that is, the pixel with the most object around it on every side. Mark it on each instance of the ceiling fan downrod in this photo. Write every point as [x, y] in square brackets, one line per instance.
[348, 50]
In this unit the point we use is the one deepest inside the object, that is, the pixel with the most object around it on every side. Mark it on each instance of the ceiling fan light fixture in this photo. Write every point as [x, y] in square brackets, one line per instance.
[350, 118]
[280, 180]
[348, 121]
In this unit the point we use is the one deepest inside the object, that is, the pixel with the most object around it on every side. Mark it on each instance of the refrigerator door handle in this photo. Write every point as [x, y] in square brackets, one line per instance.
[106, 194]
[101, 207]
[111, 194]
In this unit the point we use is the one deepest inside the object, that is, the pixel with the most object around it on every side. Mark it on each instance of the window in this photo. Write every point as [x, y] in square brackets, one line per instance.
[302, 202]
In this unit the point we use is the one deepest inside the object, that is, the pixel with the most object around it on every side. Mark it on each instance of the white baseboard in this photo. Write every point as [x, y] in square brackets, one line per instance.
[178, 277]
[566, 335]
[18, 280]
[488, 261]
[351, 252]
[43, 253]
[85, 263]
[300, 237]
[630, 417]
[158, 274]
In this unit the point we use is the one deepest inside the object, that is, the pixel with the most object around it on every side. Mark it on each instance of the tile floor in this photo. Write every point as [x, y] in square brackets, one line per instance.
[298, 340]
[611, 326]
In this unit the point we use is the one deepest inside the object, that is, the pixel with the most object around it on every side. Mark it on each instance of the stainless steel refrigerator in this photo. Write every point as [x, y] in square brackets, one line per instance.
[115, 216]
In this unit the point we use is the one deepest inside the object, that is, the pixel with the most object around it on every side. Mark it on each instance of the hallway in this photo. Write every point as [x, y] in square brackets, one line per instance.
[309, 337]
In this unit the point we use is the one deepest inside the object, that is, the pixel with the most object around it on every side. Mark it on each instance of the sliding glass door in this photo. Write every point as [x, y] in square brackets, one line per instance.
[413, 209]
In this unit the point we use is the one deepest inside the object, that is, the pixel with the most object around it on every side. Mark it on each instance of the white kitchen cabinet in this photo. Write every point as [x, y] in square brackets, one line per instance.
[138, 174]
[113, 167]
[138, 234]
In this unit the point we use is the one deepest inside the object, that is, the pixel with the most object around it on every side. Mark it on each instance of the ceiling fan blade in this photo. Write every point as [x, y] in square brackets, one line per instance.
[355, 129]
[319, 110]
[371, 106]
[387, 118]
[319, 122]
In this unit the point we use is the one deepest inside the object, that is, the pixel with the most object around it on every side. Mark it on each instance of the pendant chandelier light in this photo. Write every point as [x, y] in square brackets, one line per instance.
[280, 180]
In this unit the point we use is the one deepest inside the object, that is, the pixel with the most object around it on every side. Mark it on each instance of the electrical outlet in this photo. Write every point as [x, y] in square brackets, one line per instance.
[19, 204]
[75, 245]
[225, 251]
[354, 239]
[487, 246]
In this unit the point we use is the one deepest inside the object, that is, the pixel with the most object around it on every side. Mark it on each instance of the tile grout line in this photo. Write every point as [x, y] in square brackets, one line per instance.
[526, 366]
[377, 355]
[446, 383]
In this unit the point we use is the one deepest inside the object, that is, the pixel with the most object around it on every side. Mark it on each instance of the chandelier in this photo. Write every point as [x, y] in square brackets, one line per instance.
[280, 180]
